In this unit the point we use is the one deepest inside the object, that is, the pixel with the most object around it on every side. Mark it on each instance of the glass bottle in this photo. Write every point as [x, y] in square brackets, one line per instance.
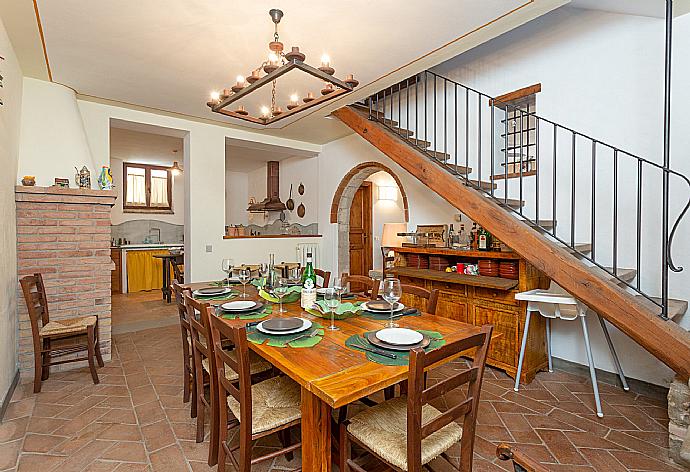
[308, 294]
[451, 236]
[463, 239]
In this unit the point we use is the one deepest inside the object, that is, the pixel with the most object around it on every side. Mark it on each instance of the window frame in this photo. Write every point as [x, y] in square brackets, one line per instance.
[147, 182]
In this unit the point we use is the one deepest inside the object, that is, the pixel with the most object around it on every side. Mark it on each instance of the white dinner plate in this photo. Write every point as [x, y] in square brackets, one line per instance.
[398, 307]
[399, 336]
[305, 326]
[221, 291]
[322, 291]
[239, 305]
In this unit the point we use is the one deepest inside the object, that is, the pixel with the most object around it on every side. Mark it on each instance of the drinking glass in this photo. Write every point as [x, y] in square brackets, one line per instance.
[244, 275]
[340, 287]
[391, 292]
[330, 296]
[263, 273]
[280, 290]
[226, 266]
[294, 274]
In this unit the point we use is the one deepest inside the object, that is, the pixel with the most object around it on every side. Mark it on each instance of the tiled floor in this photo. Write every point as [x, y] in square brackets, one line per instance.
[135, 419]
[141, 310]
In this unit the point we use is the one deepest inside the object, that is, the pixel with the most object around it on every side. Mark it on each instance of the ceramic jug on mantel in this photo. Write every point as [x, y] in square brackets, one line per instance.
[82, 178]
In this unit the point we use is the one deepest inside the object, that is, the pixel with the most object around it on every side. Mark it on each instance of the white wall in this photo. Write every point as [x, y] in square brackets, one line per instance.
[236, 197]
[384, 211]
[11, 94]
[118, 216]
[601, 74]
[53, 142]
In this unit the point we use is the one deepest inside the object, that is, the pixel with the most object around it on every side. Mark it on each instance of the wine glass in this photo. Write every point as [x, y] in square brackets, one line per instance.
[244, 275]
[226, 266]
[263, 273]
[340, 287]
[280, 290]
[294, 274]
[330, 297]
[391, 292]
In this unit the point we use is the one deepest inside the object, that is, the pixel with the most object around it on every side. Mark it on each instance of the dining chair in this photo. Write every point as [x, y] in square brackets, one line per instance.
[325, 277]
[407, 432]
[68, 333]
[420, 298]
[267, 407]
[178, 268]
[521, 462]
[198, 316]
[371, 286]
[188, 379]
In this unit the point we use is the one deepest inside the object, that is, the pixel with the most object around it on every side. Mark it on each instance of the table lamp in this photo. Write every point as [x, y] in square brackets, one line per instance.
[390, 239]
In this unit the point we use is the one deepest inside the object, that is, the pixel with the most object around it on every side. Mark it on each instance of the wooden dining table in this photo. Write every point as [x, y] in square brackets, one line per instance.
[332, 375]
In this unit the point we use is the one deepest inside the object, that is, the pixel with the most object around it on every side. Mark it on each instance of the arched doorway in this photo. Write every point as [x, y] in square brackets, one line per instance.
[342, 202]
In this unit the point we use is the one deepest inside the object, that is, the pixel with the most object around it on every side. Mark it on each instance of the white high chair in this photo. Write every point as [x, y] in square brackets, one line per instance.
[556, 303]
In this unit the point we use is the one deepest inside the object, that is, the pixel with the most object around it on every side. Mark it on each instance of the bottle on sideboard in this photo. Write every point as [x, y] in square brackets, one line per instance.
[308, 295]
[464, 243]
[451, 237]
[484, 241]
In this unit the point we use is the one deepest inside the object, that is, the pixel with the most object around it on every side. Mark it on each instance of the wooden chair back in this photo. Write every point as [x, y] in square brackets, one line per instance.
[420, 298]
[325, 277]
[418, 396]
[34, 292]
[242, 391]
[372, 285]
[186, 329]
[199, 329]
[178, 268]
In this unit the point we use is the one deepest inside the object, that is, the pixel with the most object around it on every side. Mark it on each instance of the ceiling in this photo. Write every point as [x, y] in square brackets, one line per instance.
[169, 55]
[246, 156]
[145, 147]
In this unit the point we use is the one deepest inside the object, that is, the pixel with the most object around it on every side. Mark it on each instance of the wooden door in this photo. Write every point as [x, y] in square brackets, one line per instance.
[361, 253]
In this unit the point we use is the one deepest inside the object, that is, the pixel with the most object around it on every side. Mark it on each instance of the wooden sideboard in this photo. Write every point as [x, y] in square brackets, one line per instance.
[485, 300]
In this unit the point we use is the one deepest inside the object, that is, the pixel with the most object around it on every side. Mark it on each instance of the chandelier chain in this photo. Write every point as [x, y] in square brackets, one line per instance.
[273, 96]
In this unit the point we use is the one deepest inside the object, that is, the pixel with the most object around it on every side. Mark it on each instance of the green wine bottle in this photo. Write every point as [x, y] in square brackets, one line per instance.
[308, 296]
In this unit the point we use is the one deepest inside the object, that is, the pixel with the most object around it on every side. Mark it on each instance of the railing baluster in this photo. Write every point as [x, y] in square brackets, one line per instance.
[638, 253]
[435, 127]
[536, 165]
[615, 212]
[416, 110]
[594, 199]
[479, 141]
[426, 100]
[407, 105]
[553, 208]
[493, 134]
[572, 195]
[505, 156]
[445, 119]
[467, 129]
[521, 156]
[455, 156]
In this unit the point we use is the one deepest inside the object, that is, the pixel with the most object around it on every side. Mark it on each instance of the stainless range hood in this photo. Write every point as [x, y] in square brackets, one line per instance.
[272, 201]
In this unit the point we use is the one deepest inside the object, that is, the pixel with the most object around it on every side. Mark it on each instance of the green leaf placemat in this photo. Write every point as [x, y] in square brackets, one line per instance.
[293, 294]
[258, 337]
[385, 316]
[344, 310]
[402, 357]
[227, 296]
[223, 283]
[256, 315]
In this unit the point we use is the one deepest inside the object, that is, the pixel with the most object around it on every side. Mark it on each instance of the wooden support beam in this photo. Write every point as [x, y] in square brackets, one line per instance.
[635, 316]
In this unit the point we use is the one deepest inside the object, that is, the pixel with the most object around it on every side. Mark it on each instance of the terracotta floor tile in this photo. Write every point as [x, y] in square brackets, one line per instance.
[149, 412]
[168, 459]
[38, 462]
[126, 452]
[159, 434]
[581, 439]
[638, 461]
[9, 453]
[602, 460]
[41, 442]
[19, 409]
[561, 447]
[13, 429]
[120, 432]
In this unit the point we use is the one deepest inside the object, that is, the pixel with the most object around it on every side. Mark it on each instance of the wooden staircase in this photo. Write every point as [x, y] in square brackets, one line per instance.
[603, 292]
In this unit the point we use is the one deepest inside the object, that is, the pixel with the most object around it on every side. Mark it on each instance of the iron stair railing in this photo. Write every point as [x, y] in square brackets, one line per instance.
[443, 119]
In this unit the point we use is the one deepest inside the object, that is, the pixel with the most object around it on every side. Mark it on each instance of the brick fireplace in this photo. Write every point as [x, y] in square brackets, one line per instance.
[64, 234]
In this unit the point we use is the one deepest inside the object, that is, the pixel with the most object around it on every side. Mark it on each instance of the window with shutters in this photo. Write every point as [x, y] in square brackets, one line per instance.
[146, 188]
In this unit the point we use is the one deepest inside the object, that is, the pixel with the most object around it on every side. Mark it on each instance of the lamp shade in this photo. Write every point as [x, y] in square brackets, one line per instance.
[390, 237]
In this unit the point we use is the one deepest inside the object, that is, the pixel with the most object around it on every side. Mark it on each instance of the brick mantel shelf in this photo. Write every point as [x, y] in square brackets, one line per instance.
[64, 233]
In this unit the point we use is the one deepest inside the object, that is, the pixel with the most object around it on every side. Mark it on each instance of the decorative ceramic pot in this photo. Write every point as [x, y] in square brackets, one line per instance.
[105, 179]
[29, 181]
[83, 178]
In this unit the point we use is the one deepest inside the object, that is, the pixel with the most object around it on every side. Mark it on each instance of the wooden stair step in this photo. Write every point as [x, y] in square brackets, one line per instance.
[405, 133]
[483, 185]
[580, 249]
[462, 170]
[439, 156]
[511, 202]
[542, 225]
[379, 114]
[626, 275]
